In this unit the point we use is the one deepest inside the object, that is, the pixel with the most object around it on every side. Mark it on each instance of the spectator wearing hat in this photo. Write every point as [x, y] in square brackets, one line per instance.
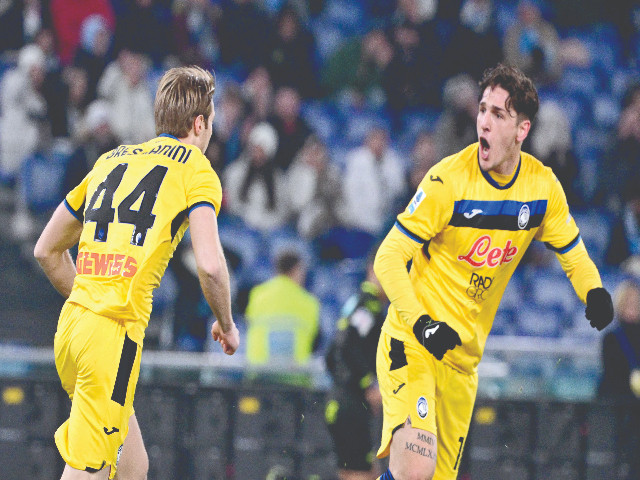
[256, 189]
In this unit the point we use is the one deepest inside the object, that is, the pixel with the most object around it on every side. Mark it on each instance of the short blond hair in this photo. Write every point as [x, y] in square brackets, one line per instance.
[183, 94]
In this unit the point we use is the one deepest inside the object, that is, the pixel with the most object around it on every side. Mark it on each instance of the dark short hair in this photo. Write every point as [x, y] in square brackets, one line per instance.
[287, 261]
[523, 96]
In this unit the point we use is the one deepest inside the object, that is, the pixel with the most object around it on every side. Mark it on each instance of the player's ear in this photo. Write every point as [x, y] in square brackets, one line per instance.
[523, 130]
[199, 124]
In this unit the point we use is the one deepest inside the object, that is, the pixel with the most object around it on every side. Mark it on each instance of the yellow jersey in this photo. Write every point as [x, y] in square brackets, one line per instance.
[465, 231]
[135, 205]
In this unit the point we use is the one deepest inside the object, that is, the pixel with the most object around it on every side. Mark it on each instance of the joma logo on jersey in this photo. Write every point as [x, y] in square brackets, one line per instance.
[482, 254]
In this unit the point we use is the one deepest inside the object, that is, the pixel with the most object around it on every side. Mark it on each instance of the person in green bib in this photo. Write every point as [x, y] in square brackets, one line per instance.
[282, 316]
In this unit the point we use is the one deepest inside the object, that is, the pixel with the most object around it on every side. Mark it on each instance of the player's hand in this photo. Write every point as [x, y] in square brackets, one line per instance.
[437, 337]
[599, 308]
[229, 340]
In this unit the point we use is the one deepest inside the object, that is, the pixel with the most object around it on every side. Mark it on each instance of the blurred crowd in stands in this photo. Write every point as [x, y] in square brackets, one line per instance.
[328, 115]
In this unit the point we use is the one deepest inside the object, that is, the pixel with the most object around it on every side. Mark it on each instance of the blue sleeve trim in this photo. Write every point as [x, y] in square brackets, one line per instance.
[202, 204]
[567, 247]
[76, 214]
[409, 233]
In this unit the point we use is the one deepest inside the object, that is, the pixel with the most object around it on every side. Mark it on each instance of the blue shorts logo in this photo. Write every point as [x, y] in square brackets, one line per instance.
[422, 407]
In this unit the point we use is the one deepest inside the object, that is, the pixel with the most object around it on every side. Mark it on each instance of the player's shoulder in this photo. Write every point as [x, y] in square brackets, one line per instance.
[531, 166]
[452, 169]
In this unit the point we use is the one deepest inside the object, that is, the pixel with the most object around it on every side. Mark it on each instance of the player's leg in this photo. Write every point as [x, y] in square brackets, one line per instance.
[413, 454]
[134, 461]
[407, 379]
[453, 419]
[107, 363]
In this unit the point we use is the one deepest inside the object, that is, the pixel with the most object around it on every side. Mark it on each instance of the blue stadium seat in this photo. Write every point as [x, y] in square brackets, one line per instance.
[578, 81]
[556, 292]
[594, 227]
[348, 17]
[323, 119]
[539, 321]
[328, 38]
[42, 176]
[606, 111]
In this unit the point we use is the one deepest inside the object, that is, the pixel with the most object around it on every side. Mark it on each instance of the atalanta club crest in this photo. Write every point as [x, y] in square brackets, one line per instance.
[422, 407]
[523, 216]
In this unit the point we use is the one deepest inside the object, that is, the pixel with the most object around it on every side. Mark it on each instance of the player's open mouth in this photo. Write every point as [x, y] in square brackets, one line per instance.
[484, 148]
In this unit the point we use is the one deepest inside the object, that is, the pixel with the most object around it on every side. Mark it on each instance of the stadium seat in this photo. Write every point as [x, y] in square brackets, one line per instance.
[606, 111]
[328, 38]
[594, 227]
[323, 119]
[539, 321]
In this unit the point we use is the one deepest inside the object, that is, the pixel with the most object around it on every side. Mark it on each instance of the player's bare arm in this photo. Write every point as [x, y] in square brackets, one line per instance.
[52, 249]
[213, 275]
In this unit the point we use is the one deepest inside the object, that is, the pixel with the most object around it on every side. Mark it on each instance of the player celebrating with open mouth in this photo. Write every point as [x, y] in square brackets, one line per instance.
[465, 231]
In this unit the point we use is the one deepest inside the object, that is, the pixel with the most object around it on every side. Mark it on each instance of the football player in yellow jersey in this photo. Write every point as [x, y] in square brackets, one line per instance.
[127, 216]
[467, 227]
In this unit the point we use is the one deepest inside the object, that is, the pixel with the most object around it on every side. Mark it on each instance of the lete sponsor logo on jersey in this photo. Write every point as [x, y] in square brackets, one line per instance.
[417, 199]
[482, 253]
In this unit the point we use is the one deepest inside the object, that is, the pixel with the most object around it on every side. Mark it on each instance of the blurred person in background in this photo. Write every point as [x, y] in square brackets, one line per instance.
[242, 31]
[255, 188]
[258, 93]
[623, 249]
[625, 161]
[355, 70]
[473, 216]
[94, 137]
[314, 189]
[424, 155]
[94, 52]
[229, 123]
[532, 44]
[456, 127]
[194, 26]
[144, 26]
[292, 129]
[373, 184]
[68, 17]
[124, 85]
[355, 398]
[551, 143]
[283, 318]
[291, 60]
[120, 262]
[483, 45]
[620, 380]
[23, 109]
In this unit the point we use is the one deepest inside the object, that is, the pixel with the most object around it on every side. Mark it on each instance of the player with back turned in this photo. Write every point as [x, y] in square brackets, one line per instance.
[127, 216]
[466, 229]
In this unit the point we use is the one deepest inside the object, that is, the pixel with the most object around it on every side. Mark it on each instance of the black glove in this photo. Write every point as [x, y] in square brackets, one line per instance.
[437, 337]
[599, 308]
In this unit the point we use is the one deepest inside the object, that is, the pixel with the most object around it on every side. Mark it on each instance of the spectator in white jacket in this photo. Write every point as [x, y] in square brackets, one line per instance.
[23, 110]
[256, 190]
[125, 86]
[373, 185]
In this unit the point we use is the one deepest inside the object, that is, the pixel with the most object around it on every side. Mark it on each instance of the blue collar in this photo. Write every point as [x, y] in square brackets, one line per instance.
[167, 135]
[495, 184]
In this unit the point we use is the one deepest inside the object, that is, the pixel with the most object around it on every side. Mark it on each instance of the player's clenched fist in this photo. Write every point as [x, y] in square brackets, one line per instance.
[599, 308]
[437, 337]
